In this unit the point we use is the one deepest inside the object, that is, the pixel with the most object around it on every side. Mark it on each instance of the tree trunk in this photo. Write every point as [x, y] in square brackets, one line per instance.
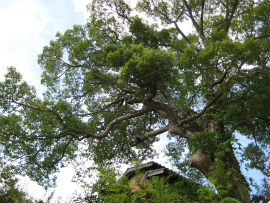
[214, 155]
[223, 171]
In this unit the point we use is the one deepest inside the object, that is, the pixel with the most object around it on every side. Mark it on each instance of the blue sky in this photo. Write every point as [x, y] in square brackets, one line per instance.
[26, 27]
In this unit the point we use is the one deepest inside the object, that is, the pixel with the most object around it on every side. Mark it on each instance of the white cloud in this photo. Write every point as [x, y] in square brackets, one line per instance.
[26, 27]
[22, 18]
[21, 24]
[65, 187]
[80, 6]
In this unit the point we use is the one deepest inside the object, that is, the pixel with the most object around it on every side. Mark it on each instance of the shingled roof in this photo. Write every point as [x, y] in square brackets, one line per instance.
[150, 169]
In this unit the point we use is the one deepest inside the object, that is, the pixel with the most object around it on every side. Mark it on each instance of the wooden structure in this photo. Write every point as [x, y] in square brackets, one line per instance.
[140, 177]
[150, 169]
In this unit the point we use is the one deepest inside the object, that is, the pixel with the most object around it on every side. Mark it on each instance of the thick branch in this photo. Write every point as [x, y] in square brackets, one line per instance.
[114, 122]
[187, 120]
[260, 37]
[202, 12]
[158, 107]
[198, 28]
[88, 134]
[229, 19]
[151, 134]
[173, 111]
[151, 93]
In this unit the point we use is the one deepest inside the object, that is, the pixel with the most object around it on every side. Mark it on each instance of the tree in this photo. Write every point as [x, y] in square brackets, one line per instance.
[117, 82]
[10, 190]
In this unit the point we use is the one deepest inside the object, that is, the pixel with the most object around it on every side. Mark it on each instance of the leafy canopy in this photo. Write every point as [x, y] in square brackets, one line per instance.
[117, 82]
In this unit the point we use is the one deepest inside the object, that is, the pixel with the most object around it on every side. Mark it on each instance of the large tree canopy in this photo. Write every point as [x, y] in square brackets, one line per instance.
[117, 82]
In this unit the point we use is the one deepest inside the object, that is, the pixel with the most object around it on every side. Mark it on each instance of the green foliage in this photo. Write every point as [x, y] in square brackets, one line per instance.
[263, 192]
[205, 139]
[178, 157]
[114, 187]
[117, 82]
[10, 190]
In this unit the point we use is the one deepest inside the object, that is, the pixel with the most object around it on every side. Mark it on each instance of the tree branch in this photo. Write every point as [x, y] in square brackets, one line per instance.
[129, 20]
[198, 28]
[114, 122]
[165, 15]
[158, 107]
[63, 153]
[254, 73]
[140, 138]
[88, 134]
[222, 78]
[104, 108]
[173, 112]
[261, 37]
[182, 34]
[33, 156]
[45, 110]
[193, 96]
[247, 121]
[106, 81]
[202, 12]
[229, 19]
[187, 120]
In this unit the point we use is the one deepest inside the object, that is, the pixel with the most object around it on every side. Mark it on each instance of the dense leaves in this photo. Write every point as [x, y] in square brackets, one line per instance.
[117, 82]
[112, 186]
[10, 190]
